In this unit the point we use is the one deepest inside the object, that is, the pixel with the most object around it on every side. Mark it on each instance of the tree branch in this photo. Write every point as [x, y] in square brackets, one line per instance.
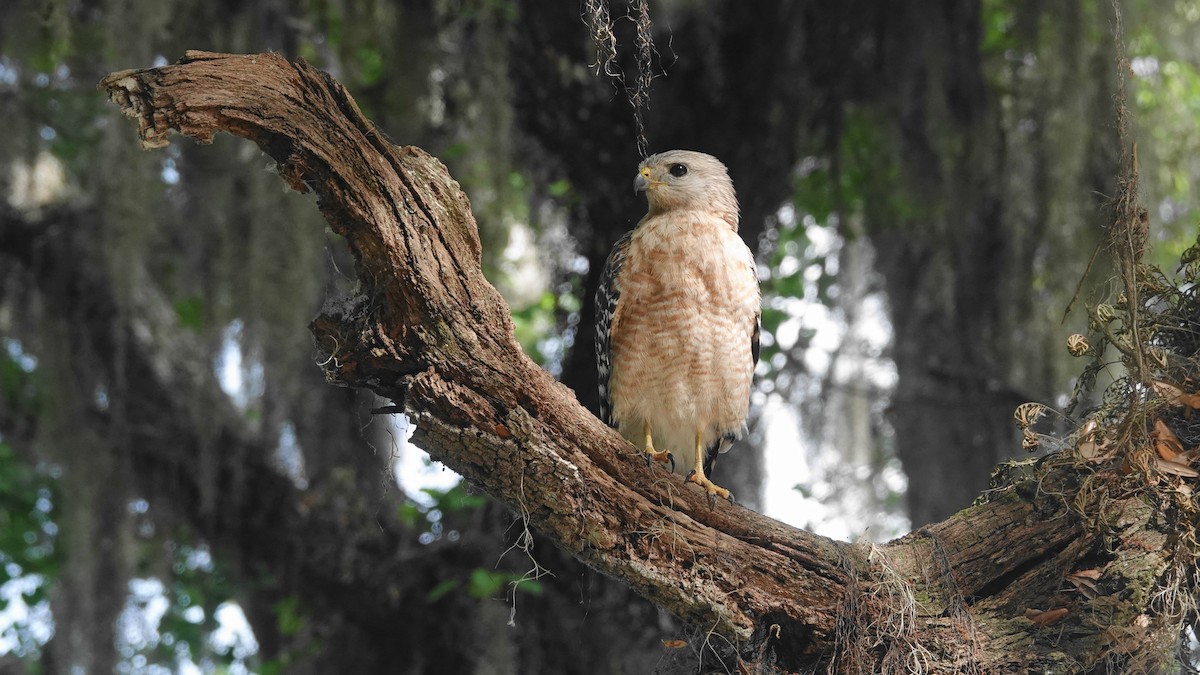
[430, 333]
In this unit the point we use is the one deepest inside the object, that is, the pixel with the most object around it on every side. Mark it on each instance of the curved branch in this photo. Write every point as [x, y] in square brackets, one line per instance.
[429, 332]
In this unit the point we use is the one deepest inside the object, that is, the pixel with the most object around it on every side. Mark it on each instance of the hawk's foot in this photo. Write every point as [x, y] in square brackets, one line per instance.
[660, 456]
[710, 487]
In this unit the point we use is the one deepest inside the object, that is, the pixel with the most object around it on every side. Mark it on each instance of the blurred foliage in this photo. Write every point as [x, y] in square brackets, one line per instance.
[192, 585]
[537, 324]
[442, 513]
[291, 618]
[447, 513]
[190, 312]
[827, 193]
[487, 583]
[29, 558]
[1168, 90]
[187, 597]
[27, 530]
[1165, 92]
[997, 18]
[20, 392]
[484, 583]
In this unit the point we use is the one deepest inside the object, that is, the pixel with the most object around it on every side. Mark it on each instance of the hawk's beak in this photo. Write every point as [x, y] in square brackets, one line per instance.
[641, 183]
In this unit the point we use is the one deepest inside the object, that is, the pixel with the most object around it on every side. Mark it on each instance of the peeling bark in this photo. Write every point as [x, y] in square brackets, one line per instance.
[428, 331]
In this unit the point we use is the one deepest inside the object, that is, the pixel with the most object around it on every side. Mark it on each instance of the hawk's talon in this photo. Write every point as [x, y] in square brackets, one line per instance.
[713, 489]
[660, 456]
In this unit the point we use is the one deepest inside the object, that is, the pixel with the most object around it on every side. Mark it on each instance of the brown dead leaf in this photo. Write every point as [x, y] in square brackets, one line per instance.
[1165, 441]
[1088, 588]
[1176, 396]
[1168, 391]
[1089, 446]
[674, 644]
[1176, 469]
[1092, 574]
[1050, 616]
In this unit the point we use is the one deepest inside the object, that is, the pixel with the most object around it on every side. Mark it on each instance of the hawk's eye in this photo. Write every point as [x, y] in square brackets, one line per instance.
[678, 170]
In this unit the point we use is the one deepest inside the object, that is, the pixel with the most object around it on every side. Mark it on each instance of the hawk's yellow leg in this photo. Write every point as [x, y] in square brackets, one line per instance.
[697, 475]
[661, 456]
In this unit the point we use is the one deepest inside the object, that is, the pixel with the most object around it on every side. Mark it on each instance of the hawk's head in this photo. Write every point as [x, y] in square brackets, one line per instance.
[690, 180]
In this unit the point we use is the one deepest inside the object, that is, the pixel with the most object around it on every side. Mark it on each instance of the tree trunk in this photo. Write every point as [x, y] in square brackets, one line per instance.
[960, 229]
[428, 332]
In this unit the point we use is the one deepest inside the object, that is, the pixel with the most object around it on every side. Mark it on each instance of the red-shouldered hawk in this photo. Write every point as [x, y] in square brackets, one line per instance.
[677, 319]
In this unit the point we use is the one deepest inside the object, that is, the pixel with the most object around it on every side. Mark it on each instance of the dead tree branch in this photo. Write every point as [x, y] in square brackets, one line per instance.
[428, 331]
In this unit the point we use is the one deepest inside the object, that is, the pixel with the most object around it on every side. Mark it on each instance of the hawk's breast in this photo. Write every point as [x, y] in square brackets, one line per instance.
[682, 332]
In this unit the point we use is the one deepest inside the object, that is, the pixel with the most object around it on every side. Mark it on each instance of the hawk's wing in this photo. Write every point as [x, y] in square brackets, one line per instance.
[606, 306]
[755, 347]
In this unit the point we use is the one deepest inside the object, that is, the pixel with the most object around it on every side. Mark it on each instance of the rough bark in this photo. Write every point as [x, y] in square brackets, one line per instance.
[428, 332]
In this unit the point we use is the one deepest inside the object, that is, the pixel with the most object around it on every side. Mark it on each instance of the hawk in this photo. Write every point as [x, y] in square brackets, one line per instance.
[677, 319]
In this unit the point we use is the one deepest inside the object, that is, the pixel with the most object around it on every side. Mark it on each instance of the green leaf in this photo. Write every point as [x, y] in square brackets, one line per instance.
[773, 318]
[791, 286]
[456, 150]
[457, 499]
[442, 589]
[190, 312]
[288, 615]
[559, 188]
[370, 64]
[410, 514]
[454, 499]
[485, 583]
[815, 195]
[532, 586]
[997, 20]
